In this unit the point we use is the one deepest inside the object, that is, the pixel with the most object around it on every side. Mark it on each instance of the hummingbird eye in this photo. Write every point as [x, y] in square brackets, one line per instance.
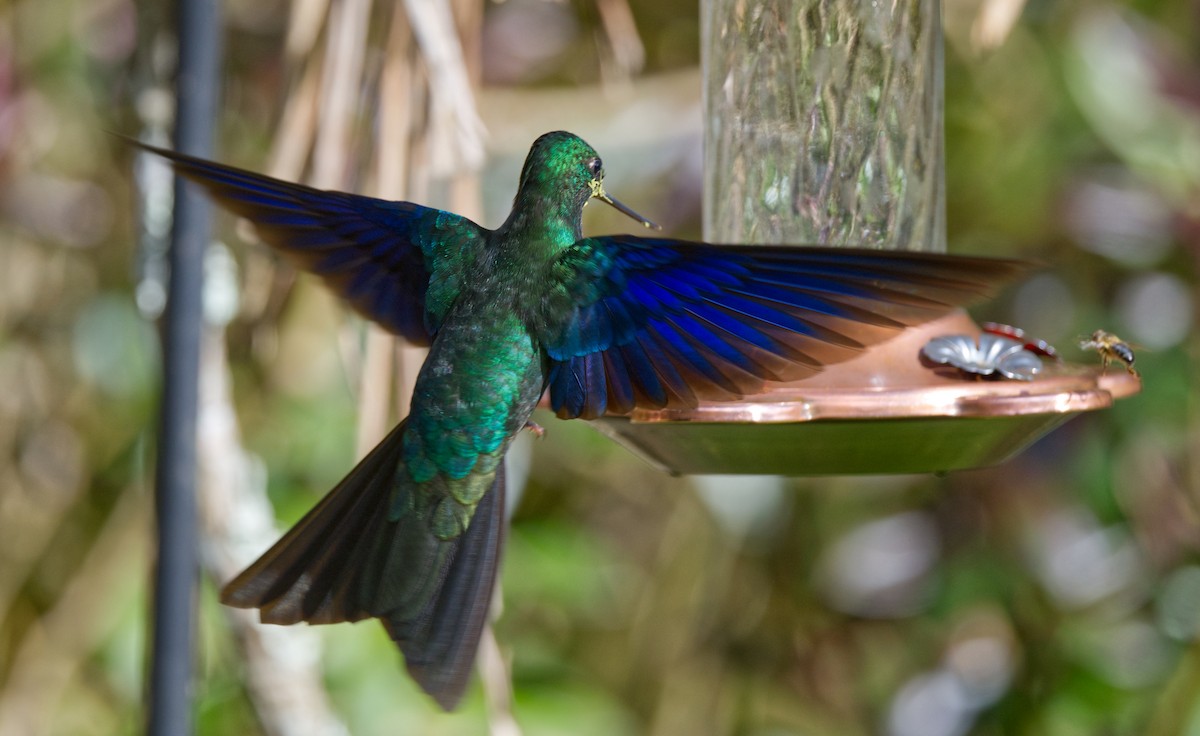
[594, 165]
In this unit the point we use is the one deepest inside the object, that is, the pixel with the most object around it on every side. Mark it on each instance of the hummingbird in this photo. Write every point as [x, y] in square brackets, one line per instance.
[412, 536]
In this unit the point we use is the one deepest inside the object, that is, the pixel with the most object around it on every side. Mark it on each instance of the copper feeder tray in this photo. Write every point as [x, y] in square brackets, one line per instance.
[882, 412]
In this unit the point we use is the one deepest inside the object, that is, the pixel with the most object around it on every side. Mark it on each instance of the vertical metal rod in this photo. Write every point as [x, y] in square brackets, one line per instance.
[175, 575]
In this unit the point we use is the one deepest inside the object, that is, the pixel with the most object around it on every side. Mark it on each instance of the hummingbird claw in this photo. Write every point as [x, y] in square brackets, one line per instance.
[537, 429]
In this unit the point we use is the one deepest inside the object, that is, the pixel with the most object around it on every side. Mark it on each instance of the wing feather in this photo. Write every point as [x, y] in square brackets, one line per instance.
[651, 322]
[398, 264]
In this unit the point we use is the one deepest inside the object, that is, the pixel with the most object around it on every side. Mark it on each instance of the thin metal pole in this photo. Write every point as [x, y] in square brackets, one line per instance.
[175, 575]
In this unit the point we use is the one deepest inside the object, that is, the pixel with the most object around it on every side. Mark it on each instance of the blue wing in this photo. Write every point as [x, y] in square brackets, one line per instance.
[397, 263]
[655, 322]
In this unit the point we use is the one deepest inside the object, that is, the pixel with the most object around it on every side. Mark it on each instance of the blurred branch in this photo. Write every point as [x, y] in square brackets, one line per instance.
[392, 161]
[304, 25]
[456, 130]
[495, 674]
[373, 388]
[396, 111]
[297, 126]
[665, 107]
[680, 677]
[994, 23]
[237, 523]
[66, 636]
[34, 511]
[341, 82]
[624, 54]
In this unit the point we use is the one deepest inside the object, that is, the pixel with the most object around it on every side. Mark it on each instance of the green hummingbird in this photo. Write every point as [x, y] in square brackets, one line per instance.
[412, 535]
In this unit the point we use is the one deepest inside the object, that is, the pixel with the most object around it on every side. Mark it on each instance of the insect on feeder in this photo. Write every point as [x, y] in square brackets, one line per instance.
[824, 126]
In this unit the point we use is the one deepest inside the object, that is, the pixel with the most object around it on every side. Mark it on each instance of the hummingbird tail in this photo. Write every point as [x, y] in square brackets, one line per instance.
[333, 565]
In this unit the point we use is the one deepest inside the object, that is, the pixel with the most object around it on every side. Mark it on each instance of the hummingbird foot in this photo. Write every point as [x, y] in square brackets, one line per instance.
[537, 429]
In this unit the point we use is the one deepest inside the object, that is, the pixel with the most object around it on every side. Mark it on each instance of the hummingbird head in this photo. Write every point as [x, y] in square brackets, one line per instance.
[563, 165]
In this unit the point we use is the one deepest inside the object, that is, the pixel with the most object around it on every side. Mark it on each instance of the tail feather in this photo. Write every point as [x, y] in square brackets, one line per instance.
[439, 645]
[308, 574]
[334, 563]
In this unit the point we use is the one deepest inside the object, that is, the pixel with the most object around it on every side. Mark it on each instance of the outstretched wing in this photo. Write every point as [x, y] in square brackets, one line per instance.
[397, 263]
[656, 322]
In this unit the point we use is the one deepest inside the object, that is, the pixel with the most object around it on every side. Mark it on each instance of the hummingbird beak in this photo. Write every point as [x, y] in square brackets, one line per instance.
[599, 193]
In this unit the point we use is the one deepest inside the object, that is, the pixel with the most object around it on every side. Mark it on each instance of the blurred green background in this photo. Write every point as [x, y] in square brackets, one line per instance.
[1057, 594]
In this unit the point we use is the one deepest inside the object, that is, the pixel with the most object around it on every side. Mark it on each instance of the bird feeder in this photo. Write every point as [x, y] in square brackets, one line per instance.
[824, 126]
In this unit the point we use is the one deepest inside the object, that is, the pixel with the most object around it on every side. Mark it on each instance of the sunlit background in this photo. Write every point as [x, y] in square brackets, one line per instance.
[1056, 594]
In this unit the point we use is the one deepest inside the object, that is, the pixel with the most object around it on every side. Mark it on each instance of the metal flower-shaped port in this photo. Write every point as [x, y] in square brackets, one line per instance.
[992, 354]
